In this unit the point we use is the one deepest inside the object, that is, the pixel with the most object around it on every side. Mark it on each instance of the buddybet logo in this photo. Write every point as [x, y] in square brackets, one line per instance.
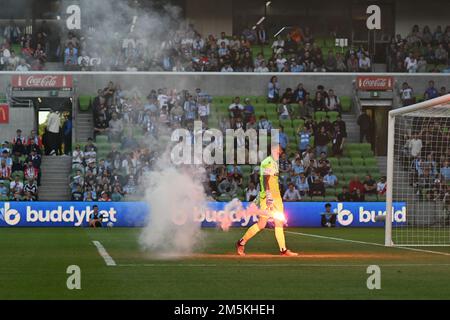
[346, 217]
[10, 216]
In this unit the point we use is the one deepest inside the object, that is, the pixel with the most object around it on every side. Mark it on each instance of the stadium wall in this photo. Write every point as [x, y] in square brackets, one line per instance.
[136, 214]
[23, 118]
[216, 83]
[431, 13]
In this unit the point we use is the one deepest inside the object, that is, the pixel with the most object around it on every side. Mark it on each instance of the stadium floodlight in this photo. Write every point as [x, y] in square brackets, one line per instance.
[418, 149]
[268, 3]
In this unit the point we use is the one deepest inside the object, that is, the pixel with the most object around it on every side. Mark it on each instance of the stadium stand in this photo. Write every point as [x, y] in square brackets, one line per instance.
[185, 49]
[318, 162]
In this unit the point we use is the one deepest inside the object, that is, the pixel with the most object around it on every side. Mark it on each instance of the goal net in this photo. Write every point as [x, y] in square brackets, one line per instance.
[418, 174]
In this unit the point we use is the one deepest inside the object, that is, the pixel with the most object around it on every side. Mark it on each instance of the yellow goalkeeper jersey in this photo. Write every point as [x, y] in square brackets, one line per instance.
[269, 170]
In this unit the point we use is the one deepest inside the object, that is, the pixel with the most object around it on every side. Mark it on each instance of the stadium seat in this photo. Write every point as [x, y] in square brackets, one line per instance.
[319, 115]
[344, 161]
[357, 161]
[84, 103]
[371, 197]
[371, 162]
[346, 103]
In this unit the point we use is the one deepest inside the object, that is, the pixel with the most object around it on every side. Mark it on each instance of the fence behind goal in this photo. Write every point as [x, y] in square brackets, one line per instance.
[419, 173]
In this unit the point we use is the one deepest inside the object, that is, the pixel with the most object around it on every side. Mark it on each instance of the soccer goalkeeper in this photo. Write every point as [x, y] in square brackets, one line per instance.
[270, 203]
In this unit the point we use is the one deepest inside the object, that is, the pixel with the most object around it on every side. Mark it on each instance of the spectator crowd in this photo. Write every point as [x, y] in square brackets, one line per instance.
[20, 163]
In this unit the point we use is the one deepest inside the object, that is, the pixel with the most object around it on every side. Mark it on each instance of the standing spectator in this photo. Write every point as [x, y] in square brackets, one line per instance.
[53, 128]
[407, 95]
[431, 92]
[273, 90]
[365, 126]
[115, 128]
[322, 138]
[67, 134]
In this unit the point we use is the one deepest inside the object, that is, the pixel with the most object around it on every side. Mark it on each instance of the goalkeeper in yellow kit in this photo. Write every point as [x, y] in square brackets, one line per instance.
[270, 203]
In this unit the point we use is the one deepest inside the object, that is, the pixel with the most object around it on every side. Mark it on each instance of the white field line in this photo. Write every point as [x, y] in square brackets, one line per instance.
[368, 243]
[260, 265]
[104, 254]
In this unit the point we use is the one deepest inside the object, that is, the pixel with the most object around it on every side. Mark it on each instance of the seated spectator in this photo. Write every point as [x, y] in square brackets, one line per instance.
[264, 124]
[249, 111]
[4, 191]
[291, 194]
[364, 64]
[5, 171]
[318, 103]
[381, 186]
[284, 110]
[358, 196]
[236, 110]
[332, 102]
[302, 184]
[95, 218]
[317, 188]
[328, 218]
[228, 187]
[330, 180]
[344, 195]
[30, 190]
[78, 158]
[445, 170]
[251, 192]
[355, 184]
[370, 185]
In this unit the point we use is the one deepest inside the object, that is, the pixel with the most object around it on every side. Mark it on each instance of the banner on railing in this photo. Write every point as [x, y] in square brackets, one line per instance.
[137, 214]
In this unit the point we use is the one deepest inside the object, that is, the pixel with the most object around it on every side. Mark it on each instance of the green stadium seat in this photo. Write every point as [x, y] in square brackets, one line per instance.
[330, 192]
[356, 161]
[345, 161]
[371, 197]
[347, 168]
[319, 115]
[333, 115]
[297, 123]
[84, 102]
[346, 103]
[286, 123]
[101, 138]
[355, 154]
[333, 161]
[317, 198]
[371, 162]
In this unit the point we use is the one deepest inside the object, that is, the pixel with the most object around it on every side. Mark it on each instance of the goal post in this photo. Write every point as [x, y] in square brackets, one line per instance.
[418, 174]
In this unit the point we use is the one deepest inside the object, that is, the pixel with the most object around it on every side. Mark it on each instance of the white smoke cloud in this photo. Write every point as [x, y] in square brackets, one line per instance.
[107, 23]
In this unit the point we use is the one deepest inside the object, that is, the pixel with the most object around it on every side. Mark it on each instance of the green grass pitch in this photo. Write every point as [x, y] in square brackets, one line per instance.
[33, 263]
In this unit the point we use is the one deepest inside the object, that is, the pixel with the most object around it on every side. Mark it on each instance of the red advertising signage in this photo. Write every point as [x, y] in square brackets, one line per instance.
[378, 83]
[4, 113]
[42, 81]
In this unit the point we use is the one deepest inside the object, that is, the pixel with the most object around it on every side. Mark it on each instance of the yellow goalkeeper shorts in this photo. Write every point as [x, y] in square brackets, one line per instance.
[274, 211]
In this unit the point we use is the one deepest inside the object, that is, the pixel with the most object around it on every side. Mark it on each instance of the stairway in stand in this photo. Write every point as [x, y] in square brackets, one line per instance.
[55, 178]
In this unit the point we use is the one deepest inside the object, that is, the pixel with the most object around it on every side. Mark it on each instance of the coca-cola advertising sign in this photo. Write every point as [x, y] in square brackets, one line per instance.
[42, 81]
[378, 83]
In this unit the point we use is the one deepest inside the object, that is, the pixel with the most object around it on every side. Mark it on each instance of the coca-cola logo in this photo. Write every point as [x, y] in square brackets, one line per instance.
[45, 81]
[375, 83]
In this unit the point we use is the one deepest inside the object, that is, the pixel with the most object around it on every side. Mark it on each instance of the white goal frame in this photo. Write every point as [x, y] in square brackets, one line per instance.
[390, 159]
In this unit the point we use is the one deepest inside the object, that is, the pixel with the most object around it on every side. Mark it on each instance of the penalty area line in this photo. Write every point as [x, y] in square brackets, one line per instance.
[367, 243]
[104, 254]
